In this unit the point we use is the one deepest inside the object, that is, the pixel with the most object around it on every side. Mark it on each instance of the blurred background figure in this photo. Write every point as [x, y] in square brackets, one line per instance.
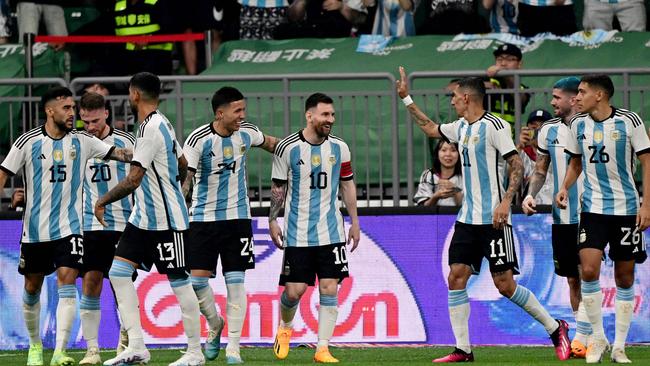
[30, 13]
[527, 149]
[393, 17]
[441, 185]
[503, 15]
[631, 15]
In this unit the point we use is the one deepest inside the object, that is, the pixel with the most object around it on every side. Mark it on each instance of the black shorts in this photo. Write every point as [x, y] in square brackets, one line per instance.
[165, 249]
[565, 250]
[471, 243]
[46, 257]
[625, 241]
[99, 250]
[303, 264]
[232, 240]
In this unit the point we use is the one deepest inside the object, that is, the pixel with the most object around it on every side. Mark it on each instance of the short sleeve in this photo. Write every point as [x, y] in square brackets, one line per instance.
[192, 154]
[257, 137]
[449, 131]
[14, 160]
[425, 188]
[146, 148]
[542, 146]
[97, 148]
[346, 163]
[502, 140]
[572, 147]
[280, 170]
[178, 149]
[638, 135]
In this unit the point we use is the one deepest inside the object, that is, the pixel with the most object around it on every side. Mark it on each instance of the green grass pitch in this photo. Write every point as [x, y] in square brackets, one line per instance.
[640, 355]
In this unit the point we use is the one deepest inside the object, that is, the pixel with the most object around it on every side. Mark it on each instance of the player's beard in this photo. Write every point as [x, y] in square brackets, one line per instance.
[62, 126]
[322, 132]
[134, 109]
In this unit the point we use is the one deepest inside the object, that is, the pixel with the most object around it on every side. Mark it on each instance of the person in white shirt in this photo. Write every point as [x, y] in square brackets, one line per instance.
[442, 184]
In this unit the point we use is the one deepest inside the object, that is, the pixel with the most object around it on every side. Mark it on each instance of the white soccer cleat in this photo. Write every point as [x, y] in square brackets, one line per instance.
[190, 359]
[233, 357]
[596, 350]
[619, 356]
[130, 357]
[123, 342]
[92, 357]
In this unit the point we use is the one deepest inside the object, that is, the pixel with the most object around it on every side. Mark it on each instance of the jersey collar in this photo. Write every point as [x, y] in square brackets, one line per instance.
[302, 137]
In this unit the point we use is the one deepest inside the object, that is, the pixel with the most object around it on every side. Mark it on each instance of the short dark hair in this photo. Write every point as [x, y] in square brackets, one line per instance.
[92, 101]
[600, 81]
[474, 84]
[54, 93]
[147, 83]
[224, 96]
[313, 100]
[437, 166]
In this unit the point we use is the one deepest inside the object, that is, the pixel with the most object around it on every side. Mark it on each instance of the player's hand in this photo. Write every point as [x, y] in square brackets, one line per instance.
[643, 218]
[99, 214]
[331, 5]
[500, 216]
[561, 198]
[528, 205]
[354, 235]
[276, 234]
[402, 87]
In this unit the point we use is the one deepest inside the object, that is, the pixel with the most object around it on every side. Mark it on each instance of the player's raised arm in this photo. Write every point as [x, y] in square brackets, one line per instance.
[427, 126]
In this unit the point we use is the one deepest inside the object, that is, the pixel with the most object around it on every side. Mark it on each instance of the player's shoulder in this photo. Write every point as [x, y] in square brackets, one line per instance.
[82, 134]
[495, 122]
[123, 135]
[577, 118]
[28, 136]
[553, 122]
[198, 135]
[286, 143]
[629, 115]
[337, 140]
[249, 127]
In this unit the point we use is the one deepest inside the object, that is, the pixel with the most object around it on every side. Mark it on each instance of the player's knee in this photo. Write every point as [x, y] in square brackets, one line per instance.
[506, 285]
[624, 280]
[590, 272]
[457, 280]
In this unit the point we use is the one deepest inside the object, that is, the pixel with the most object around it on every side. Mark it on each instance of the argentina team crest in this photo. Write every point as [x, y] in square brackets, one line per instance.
[615, 135]
[227, 152]
[57, 155]
[315, 160]
[332, 159]
[598, 137]
[73, 153]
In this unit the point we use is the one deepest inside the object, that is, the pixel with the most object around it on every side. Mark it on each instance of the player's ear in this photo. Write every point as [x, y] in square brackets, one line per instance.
[308, 115]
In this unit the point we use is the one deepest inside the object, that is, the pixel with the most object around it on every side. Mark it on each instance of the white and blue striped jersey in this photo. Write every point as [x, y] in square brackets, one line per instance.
[101, 177]
[607, 148]
[552, 140]
[483, 146]
[313, 174]
[546, 2]
[392, 20]
[220, 189]
[503, 16]
[53, 173]
[159, 203]
[265, 3]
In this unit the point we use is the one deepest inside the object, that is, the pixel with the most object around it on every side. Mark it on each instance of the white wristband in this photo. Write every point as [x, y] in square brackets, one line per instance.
[407, 100]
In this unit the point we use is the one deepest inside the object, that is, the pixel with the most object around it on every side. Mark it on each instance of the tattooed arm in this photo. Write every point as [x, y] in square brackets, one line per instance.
[502, 211]
[122, 154]
[278, 195]
[427, 126]
[188, 183]
[536, 183]
[121, 190]
[270, 142]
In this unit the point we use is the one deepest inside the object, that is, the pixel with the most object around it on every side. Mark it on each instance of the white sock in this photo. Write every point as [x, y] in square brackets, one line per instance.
[458, 303]
[66, 311]
[205, 296]
[236, 308]
[592, 297]
[32, 315]
[624, 311]
[327, 314]
[287, 310]
[583, 326]
[189, 310]
[90, 314]
[127, 301]
[528, 301]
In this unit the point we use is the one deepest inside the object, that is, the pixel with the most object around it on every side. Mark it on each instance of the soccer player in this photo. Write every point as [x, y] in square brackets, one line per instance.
[100, 241]
[483, 227]
[551, 141]
[220, 219]
[312, 165]
[156, 228]
[602, 141]
[52, 158]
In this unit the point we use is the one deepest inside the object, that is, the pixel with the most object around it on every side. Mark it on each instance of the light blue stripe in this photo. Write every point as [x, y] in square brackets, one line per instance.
[457, 297]
[409, 25]
[234, 277]
[102, 189]
[623, 168]
[467, 174]
[328, 300]
[149, 206]
[199, 283]
[76, 188]
[332, 224]
[314, 198]
[583, 328]
[284, 301]
[588, 189]
[121, 269]
[393, 14]
[224, 179]
[57, 191]
[176, 197]
[203, 181]
[292, 218]
[625, 294]
[89, 303]
[35, 213]
[242, 198]
[67, 291]
[555, 159]
[88, 205]
[601, 173]
[590, 287]
[480, 152]
[521, 296]
[175, 282]
[121, 175]
[31, 299]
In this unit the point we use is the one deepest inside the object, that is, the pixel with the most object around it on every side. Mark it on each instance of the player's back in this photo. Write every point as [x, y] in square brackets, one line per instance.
[159, 203]
[100, 177]
[313, 174]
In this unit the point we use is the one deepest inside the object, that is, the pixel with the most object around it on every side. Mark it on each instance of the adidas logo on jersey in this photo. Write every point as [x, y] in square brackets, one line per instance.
[582, 137]
[170, 265]
[80, 261]
[636, 250]
[211, 154]
[41, 157]
[250, 260]
[300, 162]
[499, 262]
[344, 269]
[555, 142]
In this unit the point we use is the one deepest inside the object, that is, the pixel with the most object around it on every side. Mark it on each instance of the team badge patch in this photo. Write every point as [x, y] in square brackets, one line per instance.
[58, 155]
[583, 236]
[227, 152]
[475, 140]
[73, 153]
[242, 149]
[332, 159]
[615, 135]
[466, 140]
[598, 136]
[315, 160]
